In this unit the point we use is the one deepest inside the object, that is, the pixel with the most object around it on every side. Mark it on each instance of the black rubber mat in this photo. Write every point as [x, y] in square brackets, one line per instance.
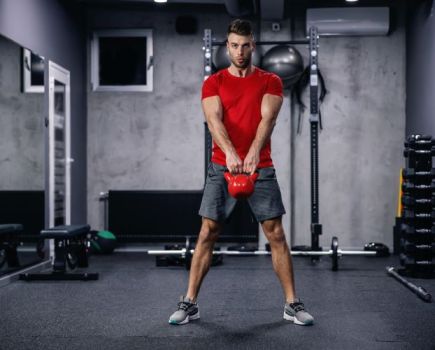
[241, 306]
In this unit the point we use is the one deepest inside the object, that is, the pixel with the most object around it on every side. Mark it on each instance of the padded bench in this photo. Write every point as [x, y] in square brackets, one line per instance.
[10, 228]
[71, 245]
[9, 243]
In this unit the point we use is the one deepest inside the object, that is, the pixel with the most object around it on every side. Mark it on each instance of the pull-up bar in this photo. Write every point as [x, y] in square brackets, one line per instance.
[287, 42]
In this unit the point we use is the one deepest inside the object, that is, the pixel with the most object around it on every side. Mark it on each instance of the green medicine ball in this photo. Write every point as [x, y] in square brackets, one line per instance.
[104, 242]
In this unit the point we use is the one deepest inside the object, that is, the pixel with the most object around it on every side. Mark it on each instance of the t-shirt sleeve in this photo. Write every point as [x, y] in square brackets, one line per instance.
[210, 87]
[274, 86]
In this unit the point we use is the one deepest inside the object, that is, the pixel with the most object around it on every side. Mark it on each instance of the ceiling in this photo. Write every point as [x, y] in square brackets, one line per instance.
[266, 9]
[319, 3]
[205, 2]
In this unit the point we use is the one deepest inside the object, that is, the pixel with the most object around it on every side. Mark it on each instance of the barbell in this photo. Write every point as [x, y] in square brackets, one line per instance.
[334, 253]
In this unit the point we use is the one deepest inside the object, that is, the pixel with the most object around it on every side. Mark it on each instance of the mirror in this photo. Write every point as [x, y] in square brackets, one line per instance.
[21, 155]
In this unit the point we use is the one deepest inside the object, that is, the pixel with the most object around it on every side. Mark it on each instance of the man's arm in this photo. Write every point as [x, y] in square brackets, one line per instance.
[270, 106]
[213, 113]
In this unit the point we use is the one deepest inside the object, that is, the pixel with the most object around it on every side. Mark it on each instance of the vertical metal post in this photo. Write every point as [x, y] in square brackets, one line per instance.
[104, 197]
[316, 228]
[207, 147]
[207, 72]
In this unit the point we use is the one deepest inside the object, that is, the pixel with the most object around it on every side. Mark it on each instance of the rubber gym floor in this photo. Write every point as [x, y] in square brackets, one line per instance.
[241, 306]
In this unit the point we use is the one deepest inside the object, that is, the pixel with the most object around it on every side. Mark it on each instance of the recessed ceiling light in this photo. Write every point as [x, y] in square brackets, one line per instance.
[160, 1]
[351, 0]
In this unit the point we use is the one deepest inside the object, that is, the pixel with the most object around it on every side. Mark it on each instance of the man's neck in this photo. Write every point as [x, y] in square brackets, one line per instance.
[241, 73]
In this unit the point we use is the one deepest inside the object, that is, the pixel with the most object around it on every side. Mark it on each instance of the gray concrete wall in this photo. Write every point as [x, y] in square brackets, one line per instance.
[361, 145]
[155, 140]
[420, 76]
[150, 140]
[52, 29]
[21, 126]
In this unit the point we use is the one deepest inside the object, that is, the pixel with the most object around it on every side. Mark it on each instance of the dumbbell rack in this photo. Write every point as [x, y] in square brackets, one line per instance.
[417, 237]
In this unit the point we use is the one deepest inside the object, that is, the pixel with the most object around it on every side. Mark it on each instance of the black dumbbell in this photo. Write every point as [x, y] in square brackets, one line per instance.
[417, 248]
[412, 230]
[411, 214]
[410, 201]
[410, 187]
[409, 262]
[409, 152]
[410, 173]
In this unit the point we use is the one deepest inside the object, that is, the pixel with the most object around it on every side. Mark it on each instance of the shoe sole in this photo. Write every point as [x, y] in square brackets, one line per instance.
[186, 320]
[295, 320]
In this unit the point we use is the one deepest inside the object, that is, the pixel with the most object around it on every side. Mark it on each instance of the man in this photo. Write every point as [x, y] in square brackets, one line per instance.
[241, 105]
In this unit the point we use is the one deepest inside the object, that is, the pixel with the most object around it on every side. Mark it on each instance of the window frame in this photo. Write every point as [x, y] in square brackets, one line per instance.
[26, 73]
[95, 55]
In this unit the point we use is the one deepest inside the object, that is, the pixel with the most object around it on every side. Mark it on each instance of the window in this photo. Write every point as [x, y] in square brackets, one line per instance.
[32, 72]
[122, 60]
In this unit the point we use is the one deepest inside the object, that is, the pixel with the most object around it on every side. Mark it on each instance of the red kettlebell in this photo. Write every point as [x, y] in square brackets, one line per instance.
[240, 186]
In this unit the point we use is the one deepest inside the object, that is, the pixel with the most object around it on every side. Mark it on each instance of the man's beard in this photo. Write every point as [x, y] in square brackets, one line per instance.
[244, 65]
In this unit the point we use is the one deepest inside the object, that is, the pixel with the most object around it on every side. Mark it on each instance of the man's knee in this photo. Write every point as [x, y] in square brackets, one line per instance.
[274, 231]
[210, 230]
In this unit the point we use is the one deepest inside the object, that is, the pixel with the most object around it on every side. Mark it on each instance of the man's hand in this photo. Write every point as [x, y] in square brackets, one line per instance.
[251, 161]
[234, 163]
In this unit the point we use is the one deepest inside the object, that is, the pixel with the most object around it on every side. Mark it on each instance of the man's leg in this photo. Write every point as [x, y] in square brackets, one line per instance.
[294, 309]
[281, 258]
[187, 307]
[203, 255]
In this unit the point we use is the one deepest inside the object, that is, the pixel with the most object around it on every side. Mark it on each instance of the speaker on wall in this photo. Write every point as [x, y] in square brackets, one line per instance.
[186, 25]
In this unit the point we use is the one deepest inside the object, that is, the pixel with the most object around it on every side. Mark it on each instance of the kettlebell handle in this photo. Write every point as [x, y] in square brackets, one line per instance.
[230, 177]
[254, 176]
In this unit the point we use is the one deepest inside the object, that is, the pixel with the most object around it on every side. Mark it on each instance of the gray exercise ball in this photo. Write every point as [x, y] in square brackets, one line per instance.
[286, 62]
[221, 60]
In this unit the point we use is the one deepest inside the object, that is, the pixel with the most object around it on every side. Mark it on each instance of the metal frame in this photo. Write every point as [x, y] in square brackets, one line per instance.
[5, 280]
[95, 54]
[316, 227]
[313, 47]
[266, 252]
[185, 254]
[208, 43]
[60, 74]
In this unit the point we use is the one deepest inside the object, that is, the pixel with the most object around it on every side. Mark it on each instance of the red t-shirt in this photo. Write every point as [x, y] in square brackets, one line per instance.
[241, 101]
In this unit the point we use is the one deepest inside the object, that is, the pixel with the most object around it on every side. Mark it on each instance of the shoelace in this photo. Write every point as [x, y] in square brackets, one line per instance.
[183, 305]
[297, 307]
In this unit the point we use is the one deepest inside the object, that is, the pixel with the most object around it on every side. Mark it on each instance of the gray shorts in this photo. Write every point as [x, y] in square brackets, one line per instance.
[265, 202]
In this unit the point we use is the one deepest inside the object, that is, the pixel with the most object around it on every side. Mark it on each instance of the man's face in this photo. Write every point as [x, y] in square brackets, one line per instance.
[240, 50]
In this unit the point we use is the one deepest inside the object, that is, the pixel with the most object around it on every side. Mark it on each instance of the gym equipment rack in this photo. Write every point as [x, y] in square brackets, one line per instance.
[417, 230]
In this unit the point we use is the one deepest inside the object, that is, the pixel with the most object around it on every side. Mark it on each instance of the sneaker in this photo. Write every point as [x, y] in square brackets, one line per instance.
[187, 311]
[296, 312]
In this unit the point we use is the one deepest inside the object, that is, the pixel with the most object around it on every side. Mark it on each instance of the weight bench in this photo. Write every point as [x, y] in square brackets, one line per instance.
[71, 247]
[9, 243]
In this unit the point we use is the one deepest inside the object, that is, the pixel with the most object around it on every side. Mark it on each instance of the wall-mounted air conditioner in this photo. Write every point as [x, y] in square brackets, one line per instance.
[358, 21]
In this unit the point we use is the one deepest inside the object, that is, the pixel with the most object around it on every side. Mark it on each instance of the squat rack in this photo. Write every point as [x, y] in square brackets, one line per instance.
[313, 45]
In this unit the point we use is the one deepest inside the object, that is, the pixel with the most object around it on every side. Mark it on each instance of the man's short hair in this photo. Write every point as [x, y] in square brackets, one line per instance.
[240, 27]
